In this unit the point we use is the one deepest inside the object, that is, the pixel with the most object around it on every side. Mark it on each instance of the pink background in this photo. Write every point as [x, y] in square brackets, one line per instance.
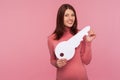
[26, 24]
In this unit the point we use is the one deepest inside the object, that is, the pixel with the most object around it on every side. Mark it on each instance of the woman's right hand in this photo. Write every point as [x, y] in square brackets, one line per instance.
[61, 62]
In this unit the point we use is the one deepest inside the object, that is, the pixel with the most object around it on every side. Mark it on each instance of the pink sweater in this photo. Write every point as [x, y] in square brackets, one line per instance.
[74, 69]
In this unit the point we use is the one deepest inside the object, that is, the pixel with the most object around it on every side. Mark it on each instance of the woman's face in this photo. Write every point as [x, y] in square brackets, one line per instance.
[69, 18]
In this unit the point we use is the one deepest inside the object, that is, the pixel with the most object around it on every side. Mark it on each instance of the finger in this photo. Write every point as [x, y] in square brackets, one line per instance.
[63, 62]
[91, 32]
[91, 35]
[59, 62]
[63, 59]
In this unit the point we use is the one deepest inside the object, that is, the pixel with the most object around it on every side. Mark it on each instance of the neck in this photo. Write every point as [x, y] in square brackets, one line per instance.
[67, 29]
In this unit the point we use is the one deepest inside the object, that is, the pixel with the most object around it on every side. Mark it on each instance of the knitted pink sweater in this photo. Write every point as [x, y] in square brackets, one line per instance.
[74, 69]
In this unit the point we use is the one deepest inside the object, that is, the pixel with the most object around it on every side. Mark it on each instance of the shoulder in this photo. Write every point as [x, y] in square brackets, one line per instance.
[78, 29]
[51, 37]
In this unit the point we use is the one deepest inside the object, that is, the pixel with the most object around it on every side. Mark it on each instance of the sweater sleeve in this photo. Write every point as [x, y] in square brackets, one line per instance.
[86, 55]
[51, 51]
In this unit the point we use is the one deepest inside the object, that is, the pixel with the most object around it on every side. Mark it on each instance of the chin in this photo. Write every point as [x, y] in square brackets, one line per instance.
[70, 25]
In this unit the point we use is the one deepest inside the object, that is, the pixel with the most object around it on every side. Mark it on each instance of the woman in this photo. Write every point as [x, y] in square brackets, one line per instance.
[66, 27]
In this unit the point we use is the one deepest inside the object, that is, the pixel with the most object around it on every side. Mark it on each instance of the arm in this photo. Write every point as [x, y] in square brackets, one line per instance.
[51, 51]
[86, 55]
[86, 47]
[58, 63]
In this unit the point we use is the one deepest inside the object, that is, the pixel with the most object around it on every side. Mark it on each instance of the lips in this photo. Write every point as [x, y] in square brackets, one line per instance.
[70, 23]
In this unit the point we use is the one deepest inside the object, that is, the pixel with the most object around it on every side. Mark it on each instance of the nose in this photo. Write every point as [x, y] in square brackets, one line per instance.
[70, 17]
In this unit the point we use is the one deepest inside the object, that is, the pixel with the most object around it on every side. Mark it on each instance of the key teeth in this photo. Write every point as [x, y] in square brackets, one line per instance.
[88, 29]
[88, 26]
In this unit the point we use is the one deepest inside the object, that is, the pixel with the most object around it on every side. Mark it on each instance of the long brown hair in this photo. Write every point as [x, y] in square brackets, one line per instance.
[60, 27]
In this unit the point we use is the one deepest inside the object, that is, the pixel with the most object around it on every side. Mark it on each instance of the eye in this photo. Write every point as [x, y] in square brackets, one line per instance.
[66, 15]
[73, 15]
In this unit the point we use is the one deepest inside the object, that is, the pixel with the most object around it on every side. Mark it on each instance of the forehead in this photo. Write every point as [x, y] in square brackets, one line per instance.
[69, 11]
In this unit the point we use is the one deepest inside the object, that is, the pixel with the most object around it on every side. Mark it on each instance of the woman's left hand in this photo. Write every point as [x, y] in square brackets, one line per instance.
[91, 35]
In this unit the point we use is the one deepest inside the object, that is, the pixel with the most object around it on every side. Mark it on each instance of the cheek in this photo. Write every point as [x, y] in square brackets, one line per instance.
[74, 19]
[65, 20]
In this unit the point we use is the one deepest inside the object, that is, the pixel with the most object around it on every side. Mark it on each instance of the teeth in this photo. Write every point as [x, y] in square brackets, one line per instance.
[70, 22]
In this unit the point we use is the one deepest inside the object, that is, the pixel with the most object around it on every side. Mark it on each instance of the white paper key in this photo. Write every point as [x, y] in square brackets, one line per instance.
[66, 49]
